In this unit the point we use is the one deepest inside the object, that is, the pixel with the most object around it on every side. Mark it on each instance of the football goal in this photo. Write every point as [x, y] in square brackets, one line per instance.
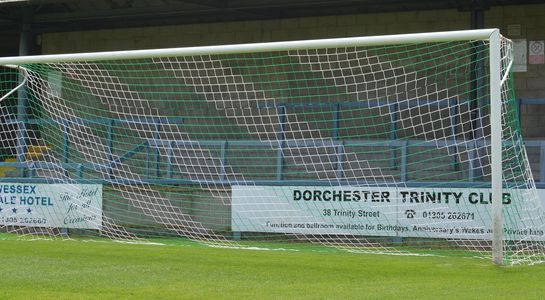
[401, 144]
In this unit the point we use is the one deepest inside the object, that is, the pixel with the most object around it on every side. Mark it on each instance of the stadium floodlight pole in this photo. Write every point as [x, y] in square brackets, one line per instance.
[496, 147]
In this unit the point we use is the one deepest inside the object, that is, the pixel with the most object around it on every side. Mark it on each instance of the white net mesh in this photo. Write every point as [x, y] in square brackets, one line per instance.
[365, 148]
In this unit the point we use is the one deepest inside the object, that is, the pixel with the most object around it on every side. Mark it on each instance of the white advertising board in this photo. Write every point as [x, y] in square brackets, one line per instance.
[520, 53]
[51, 205]
[458, 213]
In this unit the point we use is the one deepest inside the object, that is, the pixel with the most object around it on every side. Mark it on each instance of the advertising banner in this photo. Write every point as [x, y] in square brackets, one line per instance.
[51, 205]
[457, 213]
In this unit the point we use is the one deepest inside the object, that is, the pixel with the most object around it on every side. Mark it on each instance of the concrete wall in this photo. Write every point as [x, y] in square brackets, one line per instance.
[255, 31]
[529, 84]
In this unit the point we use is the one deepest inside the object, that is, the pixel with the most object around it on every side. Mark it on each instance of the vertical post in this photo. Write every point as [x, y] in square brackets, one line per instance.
[453, 104]
[79, 172]
[519, 110]
[66, 140]
[339, 170]
[281, 137]
[541, 162]
[478, 93]
[223, 158]
[22, 101]
[170, 158]
[110, 149]
[404, 161]
[336, 113]
[157, 137]
[496, 148]
[471, 146]
[148, 160]
[393, 133]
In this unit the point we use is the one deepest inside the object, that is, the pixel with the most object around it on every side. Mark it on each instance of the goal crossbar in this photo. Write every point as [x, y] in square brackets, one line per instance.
[384, 40]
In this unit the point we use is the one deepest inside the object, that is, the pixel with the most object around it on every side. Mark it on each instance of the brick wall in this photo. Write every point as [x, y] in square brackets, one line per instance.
[530, 84]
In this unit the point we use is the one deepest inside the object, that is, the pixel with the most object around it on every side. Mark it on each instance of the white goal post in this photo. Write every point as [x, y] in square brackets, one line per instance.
[390, 144]
[496, 145]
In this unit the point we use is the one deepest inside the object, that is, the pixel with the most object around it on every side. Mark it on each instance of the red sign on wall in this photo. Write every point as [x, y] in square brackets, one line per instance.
[536, 52]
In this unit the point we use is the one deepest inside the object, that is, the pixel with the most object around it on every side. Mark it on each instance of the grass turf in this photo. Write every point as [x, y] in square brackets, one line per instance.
[59, 269]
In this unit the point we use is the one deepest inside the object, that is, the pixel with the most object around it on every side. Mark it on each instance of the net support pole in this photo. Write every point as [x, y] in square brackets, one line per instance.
[496, 148]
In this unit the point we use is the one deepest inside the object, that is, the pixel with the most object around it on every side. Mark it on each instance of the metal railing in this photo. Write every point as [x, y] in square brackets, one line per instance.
[400, 149]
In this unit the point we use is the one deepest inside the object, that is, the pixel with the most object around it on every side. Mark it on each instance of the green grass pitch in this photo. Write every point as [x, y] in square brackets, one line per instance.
[70, 269]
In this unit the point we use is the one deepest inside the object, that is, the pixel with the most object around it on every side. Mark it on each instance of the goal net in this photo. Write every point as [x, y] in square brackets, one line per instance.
[406, 144]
